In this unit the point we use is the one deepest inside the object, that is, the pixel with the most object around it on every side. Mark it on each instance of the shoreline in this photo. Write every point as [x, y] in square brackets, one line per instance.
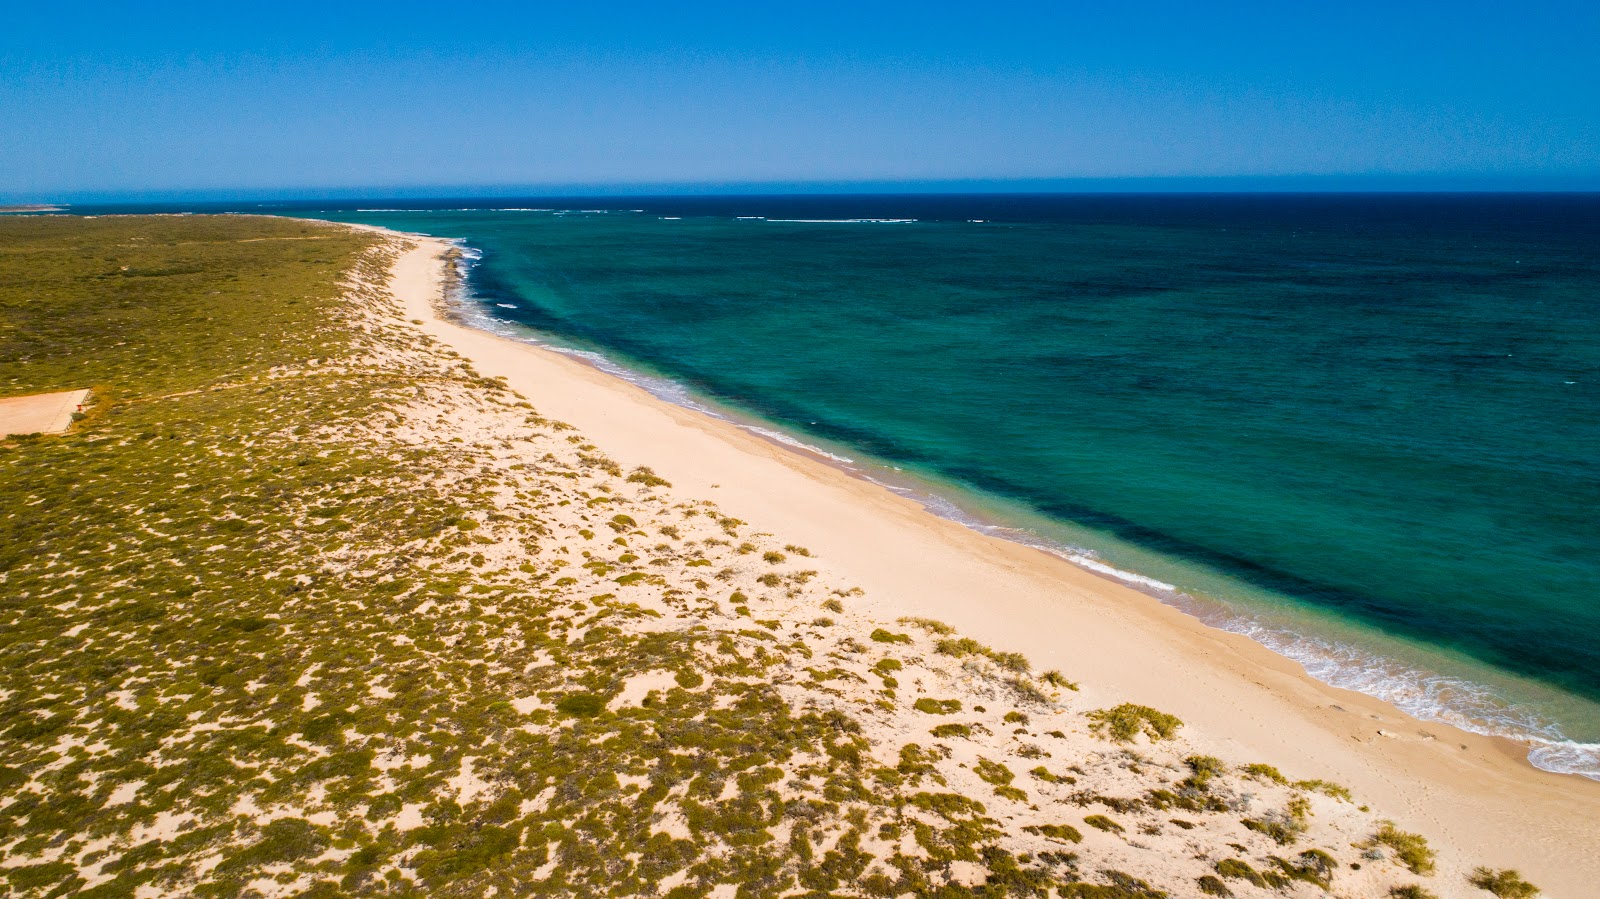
[1478, 795]
[1409, 685]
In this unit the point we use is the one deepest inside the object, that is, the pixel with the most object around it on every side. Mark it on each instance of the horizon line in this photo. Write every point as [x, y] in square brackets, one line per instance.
[1184, 184]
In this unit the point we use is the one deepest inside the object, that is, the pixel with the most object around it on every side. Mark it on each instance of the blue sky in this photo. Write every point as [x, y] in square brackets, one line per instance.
[148, 100]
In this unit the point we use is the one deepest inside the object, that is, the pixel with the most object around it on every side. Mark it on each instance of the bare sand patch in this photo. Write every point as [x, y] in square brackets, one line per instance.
[40, 413]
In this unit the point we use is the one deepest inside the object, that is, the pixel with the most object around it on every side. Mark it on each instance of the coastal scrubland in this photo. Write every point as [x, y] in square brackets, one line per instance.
[305, 605]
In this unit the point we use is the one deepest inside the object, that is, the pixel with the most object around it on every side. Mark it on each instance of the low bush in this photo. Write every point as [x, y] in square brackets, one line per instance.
[1125, 722]
[1506, 884]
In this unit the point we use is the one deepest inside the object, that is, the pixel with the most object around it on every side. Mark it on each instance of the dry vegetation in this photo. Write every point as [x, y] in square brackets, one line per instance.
[307, 607]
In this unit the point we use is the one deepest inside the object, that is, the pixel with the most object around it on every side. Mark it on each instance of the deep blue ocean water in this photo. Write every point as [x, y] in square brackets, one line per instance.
[1363, 428]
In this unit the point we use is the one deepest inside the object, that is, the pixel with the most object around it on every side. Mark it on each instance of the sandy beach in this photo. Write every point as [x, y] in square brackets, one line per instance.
[1477, 797]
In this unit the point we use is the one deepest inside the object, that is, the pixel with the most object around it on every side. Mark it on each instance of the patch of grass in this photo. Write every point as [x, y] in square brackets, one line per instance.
[581, 705]
[1506, 884]
[1410, 849]
[1283, 827]
[960, 647]
[1125, 722]
[1410, 891]
[879, 635]
[1119, 886]
[1057, 679]
[1044, 774]
[643, 475]
[1326, 788]
[1264, 772]
[1311, 866]
[1203, 768]
[933, 706]
[1239, 869]
[938, 628]
[1064, 833]
[1101, 822]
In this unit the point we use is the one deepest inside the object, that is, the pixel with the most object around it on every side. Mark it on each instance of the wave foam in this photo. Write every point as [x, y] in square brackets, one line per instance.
[845, 221]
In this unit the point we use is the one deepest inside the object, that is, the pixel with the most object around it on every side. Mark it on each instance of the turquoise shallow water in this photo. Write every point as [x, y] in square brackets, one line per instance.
[1363, 429]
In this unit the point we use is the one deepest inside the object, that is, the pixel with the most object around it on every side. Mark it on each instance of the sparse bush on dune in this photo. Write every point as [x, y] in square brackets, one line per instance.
[1410, 849]
[938, 628]
[1126, 722]
[1506, 884]
[643, 475]
[1101, 822]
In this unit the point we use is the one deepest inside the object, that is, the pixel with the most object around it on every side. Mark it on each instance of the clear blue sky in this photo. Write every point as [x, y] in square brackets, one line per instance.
[285, 98]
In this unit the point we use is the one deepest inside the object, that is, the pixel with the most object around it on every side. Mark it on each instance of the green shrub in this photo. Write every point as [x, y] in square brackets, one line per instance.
[937, 706]
[1506, 884]
[1265, 772]
[1239, 869]
[282, 840]
[1326, 788]
[1312, 866]
[581, 705]
[1101, 822]
[1410, 849]
[1057, 679]
[645, 476]
[1204, 767]
[1125, 722]
[927, 624]
[879, 635]
[993, 772]
[1064, 833]
[1121, 886]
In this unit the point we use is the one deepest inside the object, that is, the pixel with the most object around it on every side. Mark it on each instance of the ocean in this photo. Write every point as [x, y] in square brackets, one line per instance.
[1363, 429]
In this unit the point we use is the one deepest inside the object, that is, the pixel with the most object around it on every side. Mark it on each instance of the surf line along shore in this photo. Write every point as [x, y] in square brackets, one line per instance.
[1476, 795]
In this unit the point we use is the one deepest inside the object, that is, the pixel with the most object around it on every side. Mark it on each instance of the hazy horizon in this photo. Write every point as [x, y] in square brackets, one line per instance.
[1147, 186]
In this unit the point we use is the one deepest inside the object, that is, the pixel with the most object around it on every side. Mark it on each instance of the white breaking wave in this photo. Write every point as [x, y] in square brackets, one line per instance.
[786, 440]
[845, 221]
